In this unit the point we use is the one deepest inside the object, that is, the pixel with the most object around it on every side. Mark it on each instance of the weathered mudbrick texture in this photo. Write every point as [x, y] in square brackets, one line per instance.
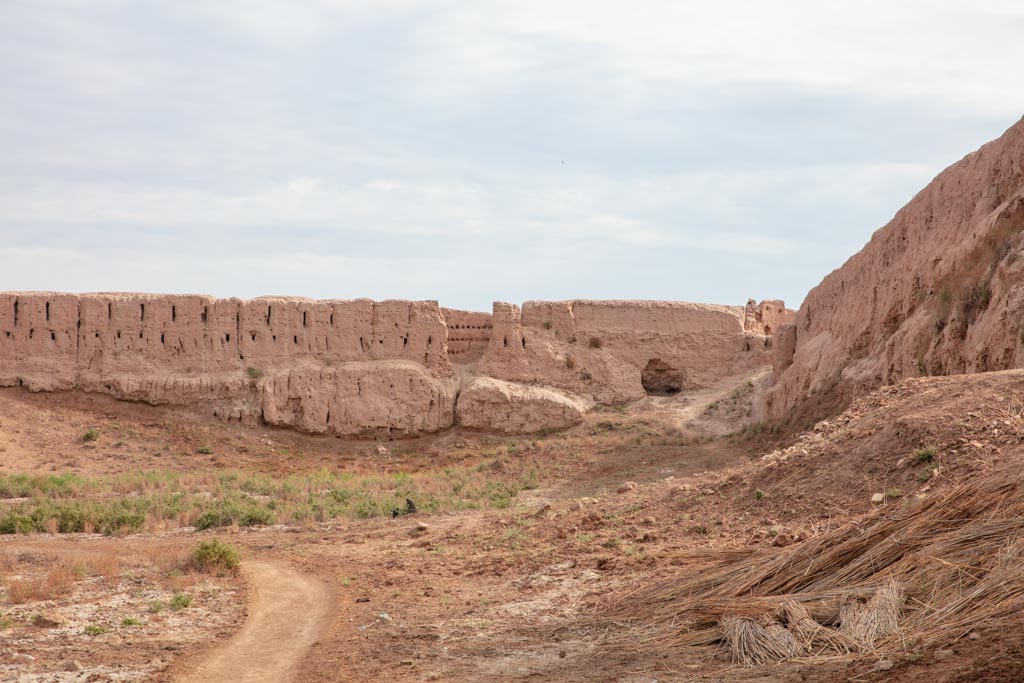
[358, 367]
[939, 290]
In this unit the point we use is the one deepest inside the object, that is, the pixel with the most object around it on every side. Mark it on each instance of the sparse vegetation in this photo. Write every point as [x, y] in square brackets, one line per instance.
[130, 621]
[759, 494]
[180, 601]
[91, 434]
[204, 450]
[214, 557]
[73, 504]
[254, 373]
[93, 630]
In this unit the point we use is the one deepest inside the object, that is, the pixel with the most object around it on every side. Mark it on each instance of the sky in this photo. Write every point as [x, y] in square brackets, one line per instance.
[470, 152]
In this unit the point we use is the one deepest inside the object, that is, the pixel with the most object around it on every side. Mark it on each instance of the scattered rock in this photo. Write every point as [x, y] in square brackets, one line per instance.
[974, 635]
[628, 486]
[363, 598]
[48, 620]
[383, 450]
[561, 654]
[420, 528]
[543, 510]
[20, 658]
[883, 665]
[877, 498]
[943, 654]
[71, 665]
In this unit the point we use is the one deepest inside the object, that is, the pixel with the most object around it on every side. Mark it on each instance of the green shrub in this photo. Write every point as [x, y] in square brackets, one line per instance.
[180, 601]
[254, 373]
[93, 630]
[129, 621]
[924, 455]
[214, 557]
[91, 434]
[204, 450]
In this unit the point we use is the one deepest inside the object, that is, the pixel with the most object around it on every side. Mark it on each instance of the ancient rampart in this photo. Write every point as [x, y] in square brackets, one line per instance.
[354, 367]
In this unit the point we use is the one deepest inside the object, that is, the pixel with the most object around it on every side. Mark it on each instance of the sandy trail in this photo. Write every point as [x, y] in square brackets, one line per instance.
[287, 611]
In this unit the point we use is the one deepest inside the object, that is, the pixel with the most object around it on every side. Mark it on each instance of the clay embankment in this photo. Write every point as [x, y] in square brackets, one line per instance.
[937, 291]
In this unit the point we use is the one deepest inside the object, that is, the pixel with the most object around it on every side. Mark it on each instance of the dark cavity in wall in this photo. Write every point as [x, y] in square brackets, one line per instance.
[661, 379]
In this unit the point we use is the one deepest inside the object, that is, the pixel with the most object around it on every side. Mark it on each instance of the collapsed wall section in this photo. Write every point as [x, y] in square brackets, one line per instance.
[602, 349]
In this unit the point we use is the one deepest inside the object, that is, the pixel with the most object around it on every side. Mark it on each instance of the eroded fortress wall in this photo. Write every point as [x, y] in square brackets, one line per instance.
[353, 367]
[469, 333]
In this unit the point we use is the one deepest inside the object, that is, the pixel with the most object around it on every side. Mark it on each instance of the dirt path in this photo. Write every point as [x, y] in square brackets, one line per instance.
[286, 614]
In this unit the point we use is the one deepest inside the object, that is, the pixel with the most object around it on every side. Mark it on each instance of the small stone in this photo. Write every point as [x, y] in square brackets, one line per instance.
[19, 658]
[974, 635]
[421, 528]
[543, 510]
[363, 599]
[628, 486]
[878, 498]
[71, 665]
[383, 450]
[48, 620]
[649, 521]
[561, 654]
[943, 654]
[883, 665]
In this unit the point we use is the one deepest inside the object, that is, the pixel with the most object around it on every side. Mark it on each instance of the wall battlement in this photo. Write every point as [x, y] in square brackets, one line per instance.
[350, 367]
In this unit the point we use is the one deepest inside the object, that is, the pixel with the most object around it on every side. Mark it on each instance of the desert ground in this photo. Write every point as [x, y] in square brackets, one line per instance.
[566, 556]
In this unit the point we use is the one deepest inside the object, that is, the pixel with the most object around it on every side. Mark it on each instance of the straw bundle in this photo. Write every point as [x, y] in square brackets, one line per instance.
[754, 644]
[928, 573]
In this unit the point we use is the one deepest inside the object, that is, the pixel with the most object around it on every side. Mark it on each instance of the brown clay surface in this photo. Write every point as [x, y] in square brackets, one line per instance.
[516, 594]
[286, 612]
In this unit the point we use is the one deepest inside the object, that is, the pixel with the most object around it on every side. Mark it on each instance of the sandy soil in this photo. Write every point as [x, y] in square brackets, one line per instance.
[517, 593]
[287, 610]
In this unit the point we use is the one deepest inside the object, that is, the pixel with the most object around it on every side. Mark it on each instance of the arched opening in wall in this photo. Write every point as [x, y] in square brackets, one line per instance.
[661, 379]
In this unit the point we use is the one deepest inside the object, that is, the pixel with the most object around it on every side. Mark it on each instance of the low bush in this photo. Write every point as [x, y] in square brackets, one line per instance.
[214, 557]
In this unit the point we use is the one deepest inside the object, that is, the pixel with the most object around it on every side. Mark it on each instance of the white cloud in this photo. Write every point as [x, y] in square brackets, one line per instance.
[469, 151]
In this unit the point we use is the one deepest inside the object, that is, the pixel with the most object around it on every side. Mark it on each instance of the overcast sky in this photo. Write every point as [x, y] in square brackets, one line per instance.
[471, 151]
